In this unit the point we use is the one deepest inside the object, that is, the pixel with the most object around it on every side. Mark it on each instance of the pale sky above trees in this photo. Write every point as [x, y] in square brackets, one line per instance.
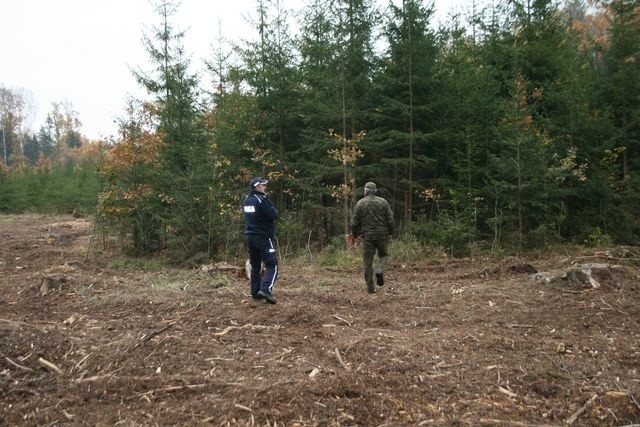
[81, 51]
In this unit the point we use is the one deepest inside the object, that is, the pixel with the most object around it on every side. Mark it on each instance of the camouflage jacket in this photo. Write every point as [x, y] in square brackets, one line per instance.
[372, 218]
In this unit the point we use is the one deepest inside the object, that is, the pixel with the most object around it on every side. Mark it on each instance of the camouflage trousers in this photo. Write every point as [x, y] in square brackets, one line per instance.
[370, 247]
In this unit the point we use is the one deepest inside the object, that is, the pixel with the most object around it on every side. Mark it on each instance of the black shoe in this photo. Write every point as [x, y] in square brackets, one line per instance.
[370, 288]
[268, 296]
[257, 297]
[379, 279]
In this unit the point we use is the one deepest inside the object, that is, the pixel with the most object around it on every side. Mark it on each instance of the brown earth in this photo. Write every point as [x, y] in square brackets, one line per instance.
[92, 340]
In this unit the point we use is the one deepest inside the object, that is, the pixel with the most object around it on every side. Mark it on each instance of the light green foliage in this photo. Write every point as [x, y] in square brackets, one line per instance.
[72, 186]
[598, 239]
[452, 233]
[293, 237]
[408, 250]
[339, 257]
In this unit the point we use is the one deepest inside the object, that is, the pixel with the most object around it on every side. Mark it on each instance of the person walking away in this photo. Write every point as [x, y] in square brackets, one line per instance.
[373, 222]
[260, 215]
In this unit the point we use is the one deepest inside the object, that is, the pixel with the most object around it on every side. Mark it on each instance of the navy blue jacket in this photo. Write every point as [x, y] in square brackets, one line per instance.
[259, 215]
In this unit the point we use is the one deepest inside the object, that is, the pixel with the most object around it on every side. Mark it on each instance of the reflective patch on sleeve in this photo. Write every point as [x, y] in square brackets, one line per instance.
[271, 250]
[249, 209]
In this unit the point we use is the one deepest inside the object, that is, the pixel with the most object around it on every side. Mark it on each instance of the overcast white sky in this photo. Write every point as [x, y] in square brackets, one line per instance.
[81, 51]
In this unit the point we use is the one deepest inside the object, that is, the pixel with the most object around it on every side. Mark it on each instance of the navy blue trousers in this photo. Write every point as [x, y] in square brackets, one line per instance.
[262, 251]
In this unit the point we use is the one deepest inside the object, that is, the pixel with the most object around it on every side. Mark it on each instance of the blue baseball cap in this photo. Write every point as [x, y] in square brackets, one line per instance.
[258, 181]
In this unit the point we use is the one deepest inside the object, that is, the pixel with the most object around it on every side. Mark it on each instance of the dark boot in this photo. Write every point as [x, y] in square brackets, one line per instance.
[268, 296]
[370, 288]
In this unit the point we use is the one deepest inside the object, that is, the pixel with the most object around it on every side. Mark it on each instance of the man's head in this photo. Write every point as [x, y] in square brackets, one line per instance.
[258, 184]
[370, 187]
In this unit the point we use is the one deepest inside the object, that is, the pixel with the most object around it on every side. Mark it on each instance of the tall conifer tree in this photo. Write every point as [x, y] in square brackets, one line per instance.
[183, 176]
[405, 110]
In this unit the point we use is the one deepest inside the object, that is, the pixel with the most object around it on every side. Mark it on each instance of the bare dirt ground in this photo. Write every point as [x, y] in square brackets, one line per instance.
[456, 342]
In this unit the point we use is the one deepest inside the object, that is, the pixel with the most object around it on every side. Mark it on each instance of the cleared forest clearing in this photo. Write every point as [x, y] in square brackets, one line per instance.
[457, 342]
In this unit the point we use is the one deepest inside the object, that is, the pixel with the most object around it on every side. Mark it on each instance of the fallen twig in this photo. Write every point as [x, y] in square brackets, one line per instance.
[169, 389]
[444, 364]
[148, 336]
[50, 365]
[340, 359]
[311, 363]
[633, 399]
[67, 415]
[14, 324]
[433, 376]
[94, 378]
[281, 355]
[507, 392]
[341, 319]
[77, 365]
[185, 312]
[569, 291]
[24, 368]
[494, 422]
[179, 387]
[244, 408]
[314, 372]
[248, 325]
[572, 419]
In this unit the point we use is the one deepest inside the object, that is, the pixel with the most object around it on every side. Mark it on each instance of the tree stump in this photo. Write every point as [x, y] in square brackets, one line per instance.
[589, 275]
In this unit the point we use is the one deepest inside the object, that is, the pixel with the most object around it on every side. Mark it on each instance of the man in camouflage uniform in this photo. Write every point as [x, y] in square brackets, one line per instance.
[373, 221]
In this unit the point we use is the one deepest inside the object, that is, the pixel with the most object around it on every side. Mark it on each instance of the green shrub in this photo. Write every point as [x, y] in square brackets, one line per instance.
[597, 238]
[339, 256]
[449, 233]
[73, 186]
[408, 249]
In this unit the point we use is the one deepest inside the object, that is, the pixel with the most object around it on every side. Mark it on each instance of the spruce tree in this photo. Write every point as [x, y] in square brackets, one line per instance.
[404, 119]
[620, 85]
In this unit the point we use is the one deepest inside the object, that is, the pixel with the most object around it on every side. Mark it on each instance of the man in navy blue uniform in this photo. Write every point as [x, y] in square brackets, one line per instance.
[260, 234]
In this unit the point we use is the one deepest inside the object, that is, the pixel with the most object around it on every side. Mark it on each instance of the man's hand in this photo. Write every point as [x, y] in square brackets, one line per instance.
[351, 240]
